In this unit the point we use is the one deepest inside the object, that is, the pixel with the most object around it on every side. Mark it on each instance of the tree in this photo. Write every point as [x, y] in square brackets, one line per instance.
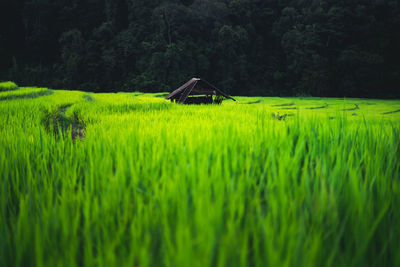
[251, 47]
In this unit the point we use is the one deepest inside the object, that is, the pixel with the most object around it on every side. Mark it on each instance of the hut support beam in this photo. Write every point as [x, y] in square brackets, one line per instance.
[186, 93]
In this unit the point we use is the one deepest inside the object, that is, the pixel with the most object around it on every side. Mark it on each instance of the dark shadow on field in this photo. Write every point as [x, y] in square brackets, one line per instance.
[281, 117]
[289, 108]
[161, 95]
[391, 112]
[135, 94]
[57, 123]
[284, 105]
[251, 103]
[321, 107]
[89, 98]
[29, 95]
[352, 109]
[3, 89]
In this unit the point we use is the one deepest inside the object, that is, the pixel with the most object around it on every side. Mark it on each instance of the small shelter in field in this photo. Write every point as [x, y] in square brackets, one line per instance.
[198, 91]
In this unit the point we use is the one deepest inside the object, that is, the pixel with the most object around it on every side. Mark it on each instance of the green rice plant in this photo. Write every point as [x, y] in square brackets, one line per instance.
[8, 86]
[154, 183]
[24, 93]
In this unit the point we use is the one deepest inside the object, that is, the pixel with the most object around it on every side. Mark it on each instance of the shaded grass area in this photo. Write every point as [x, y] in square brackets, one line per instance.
[89, 98]
[284, 105]
[352, 109]
[161, 95]
[321, 107]
[55, 121]
[391, 112]
[25, 93]
[289, 108]
[158, 184]
[252, 102]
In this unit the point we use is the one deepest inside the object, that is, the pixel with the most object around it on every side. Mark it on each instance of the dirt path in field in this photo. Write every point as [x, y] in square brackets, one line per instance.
[77, 128]
[59, 123]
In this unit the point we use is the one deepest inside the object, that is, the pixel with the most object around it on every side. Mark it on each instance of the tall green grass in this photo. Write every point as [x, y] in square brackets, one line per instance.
[159, 184]
[8, 86]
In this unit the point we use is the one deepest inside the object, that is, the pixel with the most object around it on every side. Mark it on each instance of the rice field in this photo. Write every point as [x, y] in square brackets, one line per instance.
[8, 86]
[130, 179]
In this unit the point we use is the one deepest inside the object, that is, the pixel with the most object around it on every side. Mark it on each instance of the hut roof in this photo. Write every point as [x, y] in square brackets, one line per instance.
[195, 86]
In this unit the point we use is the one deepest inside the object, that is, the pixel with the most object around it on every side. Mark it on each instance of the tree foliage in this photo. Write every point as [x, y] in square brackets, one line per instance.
[247, 47]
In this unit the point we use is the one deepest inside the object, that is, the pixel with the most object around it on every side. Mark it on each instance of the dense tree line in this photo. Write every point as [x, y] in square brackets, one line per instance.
[247, 47]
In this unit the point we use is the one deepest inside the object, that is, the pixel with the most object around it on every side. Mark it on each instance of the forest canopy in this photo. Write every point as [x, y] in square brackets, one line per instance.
[247, 47]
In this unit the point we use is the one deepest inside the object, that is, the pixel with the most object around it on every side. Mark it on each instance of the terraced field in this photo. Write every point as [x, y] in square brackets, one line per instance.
[131, 179]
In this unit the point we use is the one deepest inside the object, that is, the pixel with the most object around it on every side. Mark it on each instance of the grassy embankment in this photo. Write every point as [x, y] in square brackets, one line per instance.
[8, 86]
[133, 180]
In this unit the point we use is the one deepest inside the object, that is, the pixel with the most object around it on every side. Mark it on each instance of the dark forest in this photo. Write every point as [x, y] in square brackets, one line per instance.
[246, 47]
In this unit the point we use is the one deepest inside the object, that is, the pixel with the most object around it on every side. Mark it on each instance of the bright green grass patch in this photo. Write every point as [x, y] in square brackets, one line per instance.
[153, 183]
[8, 86]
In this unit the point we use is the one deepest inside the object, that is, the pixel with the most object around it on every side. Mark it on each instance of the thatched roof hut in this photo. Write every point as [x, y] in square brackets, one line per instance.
[197, 91]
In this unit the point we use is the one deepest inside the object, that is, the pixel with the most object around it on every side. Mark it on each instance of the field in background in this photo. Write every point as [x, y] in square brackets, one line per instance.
[129, 179]
[8, 86]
